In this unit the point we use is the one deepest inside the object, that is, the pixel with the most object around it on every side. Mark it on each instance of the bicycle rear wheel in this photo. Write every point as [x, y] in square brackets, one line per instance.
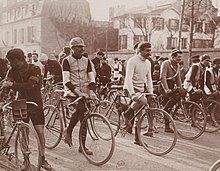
[53, 126]
[28, 152]
[100, 139]
[212, 108]
[161, 142]
[193, 120]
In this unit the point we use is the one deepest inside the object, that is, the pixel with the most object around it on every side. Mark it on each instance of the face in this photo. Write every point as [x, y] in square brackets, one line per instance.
[78, 50]
[16, 64]
[206, 62]
[35, 58]
[145, 52]
[177, 58]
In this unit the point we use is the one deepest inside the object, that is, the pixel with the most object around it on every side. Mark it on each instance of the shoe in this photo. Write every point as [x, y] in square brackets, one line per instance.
[45, 165]
[67, 138]
[149, 133]
[137, 142]
[88, 152]
[169, 130]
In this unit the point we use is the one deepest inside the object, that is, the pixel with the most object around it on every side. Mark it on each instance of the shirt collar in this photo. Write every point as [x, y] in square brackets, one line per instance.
[141, 57]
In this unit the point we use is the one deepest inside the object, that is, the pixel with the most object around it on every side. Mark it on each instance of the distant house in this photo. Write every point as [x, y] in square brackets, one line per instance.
[160, 25]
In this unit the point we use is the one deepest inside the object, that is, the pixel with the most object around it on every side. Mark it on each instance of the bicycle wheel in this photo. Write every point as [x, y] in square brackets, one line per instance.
[111, 112]
[215, 166]
[193, 120]
[28, 152]
[100, 139]
[161, 142]
[53, 125]
[212, 109]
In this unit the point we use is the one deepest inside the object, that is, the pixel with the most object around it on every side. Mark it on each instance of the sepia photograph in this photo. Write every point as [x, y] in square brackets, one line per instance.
[107, 85]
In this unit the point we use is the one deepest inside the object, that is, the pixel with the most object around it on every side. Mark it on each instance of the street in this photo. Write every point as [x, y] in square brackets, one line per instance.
[193, 155]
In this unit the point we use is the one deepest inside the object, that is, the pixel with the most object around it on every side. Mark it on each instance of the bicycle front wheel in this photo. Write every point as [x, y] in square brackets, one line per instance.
[28, 152]
[193, 122]
[153, 121]
[53, 126]
[100, 139]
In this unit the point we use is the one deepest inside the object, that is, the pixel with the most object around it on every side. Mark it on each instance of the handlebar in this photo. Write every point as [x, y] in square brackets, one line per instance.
[7, 105]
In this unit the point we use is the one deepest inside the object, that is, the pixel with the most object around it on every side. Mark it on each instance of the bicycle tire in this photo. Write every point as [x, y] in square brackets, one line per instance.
[215, 166]
[24, 152]
[109, 110]
[104, 125]
[53, 126]
[160, 143]
[214, 115]
[195, 121]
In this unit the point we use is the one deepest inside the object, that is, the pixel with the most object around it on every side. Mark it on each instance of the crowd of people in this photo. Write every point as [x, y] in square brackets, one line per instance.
[81, 77]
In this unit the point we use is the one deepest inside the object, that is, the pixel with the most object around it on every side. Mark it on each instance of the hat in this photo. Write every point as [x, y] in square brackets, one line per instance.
[144, 44]
[195, 57]
[43, 57]
[174, 51]
[205, 57]
[216, 61]
[15, 53]
[76, 41]
[100, 53]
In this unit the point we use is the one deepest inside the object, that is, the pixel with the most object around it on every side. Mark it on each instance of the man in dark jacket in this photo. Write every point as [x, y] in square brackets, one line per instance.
[105, 72]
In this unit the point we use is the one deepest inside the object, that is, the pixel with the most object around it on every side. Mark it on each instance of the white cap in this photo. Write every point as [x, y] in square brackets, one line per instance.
[76, 41]
[43, 57]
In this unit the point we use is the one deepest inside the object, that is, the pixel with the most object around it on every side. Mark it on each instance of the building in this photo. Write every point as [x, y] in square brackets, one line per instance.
[160, 25]
[31, 24]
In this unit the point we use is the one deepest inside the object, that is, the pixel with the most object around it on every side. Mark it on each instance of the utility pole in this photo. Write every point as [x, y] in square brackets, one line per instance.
[181, 23]
[191, 30]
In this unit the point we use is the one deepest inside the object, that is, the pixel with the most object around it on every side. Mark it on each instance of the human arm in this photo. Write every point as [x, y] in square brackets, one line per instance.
[128, 83]
[163, 76]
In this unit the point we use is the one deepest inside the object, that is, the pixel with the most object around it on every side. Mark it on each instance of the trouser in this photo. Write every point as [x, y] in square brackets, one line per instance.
[78, 115]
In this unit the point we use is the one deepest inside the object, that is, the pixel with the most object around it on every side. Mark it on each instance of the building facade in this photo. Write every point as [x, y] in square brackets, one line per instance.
[160, 25]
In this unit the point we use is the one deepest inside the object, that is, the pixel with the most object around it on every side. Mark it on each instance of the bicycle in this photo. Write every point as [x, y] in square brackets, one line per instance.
[27, 150]
[159, 144]
[215, 166]
[190, 118]
[98, 127]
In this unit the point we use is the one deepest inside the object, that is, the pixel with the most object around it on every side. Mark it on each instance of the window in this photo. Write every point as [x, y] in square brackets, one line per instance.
[158, 23]
[171, 42]
[184, 43]
[33, 9]
[15, 36]
[138, 23]
[173, 24]
[123, 41]
[198, 27]
[23, 12]
[122, 23]
[138, 38]
[197, 43]
[22, 35]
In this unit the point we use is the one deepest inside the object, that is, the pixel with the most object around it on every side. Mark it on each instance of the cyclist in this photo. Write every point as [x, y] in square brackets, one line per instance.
[138, 80]
[171, 83]
[51, 66]
[79, 80]
[26, 79]
[194, 79]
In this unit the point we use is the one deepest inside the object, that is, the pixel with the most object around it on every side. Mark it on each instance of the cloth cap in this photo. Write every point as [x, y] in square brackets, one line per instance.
[43, 57]
[144, 44]
[216, 61]
[76, 41]
[174, 51]
[15, 53]
[205, 57]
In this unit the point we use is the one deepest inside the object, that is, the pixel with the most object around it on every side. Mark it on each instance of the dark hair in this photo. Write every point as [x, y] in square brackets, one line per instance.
[216, 61]
[115, 59]
[181, 63]
[85, 55]
[144, 45]
[136, 45]
[100, 53]
[35, 54]
[15, 53]
[29, 55]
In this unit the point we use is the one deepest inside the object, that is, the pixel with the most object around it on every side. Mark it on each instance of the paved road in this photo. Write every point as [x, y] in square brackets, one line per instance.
[196, 155]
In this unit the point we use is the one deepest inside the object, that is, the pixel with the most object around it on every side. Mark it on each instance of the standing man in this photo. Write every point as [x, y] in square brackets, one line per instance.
[171, 82]
[26, 79]
[37, 62]
[97, 62]
[138, 80]
[78, 80]
[117, 72]
[53, 67]
[105, 72]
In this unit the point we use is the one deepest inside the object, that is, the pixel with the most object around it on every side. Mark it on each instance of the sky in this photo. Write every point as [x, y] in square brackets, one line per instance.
[99, 8]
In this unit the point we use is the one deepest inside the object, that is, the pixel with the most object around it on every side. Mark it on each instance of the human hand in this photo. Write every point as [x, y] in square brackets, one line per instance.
[92, 95]
[81, 94]
[168, 91]
[135, 96]
[7, 84]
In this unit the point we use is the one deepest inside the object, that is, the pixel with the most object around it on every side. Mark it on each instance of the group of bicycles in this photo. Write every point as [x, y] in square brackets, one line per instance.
[105, 119]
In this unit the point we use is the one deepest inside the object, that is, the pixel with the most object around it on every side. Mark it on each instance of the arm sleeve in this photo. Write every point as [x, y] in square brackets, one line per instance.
[193, 75]
[208, 81]
[33, 81]
[90, 72]
[163, 76]
[179, 80]
[128, 77]
[149, 80]
[66, 75]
